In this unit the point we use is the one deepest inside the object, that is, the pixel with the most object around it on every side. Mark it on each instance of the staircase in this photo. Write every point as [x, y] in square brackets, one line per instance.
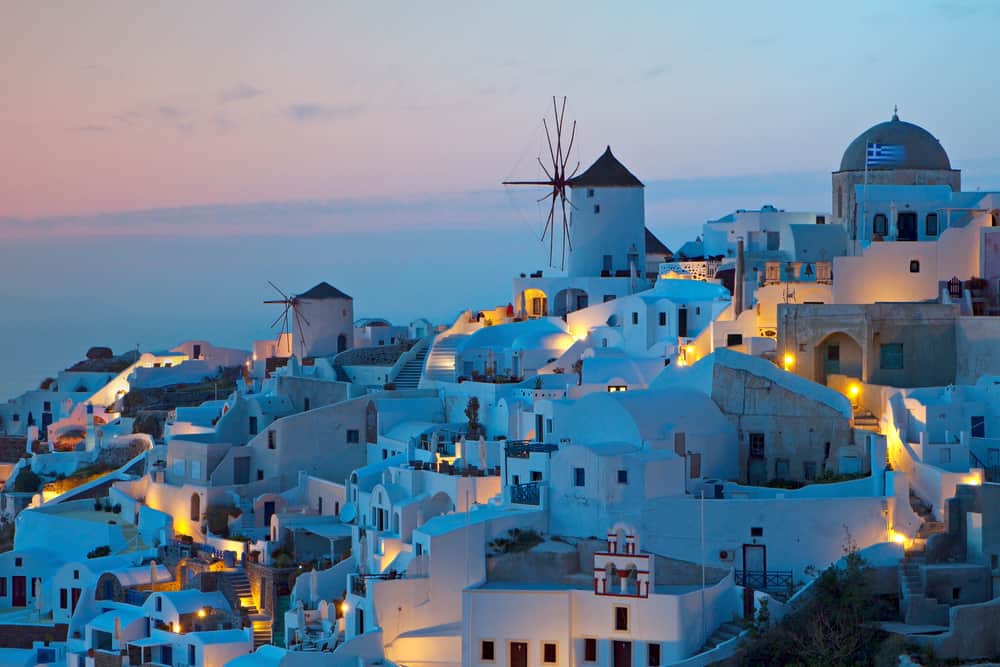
[865, 420]
[723, 633]
[441, 359]
[260, 623]
[244, 526]
[409, 375]
[916, 606]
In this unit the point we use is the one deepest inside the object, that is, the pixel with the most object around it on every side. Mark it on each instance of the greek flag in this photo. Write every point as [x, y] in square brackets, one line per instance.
[883, 154]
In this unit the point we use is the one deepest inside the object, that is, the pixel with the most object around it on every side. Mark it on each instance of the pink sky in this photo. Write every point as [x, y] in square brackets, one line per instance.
[113, 106]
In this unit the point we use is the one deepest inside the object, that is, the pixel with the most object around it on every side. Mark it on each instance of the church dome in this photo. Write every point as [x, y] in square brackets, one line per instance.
[920, 150]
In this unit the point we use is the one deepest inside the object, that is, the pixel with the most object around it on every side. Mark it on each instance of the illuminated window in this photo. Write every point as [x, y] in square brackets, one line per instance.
[612, 388]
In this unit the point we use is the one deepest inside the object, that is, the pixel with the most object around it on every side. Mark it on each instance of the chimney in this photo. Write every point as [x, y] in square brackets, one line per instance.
[738, 280]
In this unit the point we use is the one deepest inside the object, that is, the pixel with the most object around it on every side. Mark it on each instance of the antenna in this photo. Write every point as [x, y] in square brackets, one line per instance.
[557, 180]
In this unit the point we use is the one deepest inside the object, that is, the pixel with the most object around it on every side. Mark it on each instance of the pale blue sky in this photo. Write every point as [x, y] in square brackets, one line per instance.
[347, 141]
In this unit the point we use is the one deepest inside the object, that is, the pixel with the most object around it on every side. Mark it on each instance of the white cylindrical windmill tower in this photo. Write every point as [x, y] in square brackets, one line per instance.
[608, 230]
[324, 319]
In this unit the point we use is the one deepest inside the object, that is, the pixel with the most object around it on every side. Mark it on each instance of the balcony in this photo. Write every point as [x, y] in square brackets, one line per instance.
[776, 583]
[522, 449]
[526, 494]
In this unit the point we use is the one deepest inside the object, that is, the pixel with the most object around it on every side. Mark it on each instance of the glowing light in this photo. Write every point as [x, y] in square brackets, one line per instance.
[789, 361]
[344, 608]
[898, 538]
[854, 390]
[177, 627]
[689, 349]
[202, 613]
[973, 480]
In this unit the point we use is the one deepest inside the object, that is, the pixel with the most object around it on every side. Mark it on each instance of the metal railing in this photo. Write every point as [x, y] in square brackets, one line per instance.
[526, 494]
[764, 580]
[520, 449]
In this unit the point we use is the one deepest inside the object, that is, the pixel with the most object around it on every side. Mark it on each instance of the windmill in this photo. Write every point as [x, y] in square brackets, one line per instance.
[555, 172]
[291, 303]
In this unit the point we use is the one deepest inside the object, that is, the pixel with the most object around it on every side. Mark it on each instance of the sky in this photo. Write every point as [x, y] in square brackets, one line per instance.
[162, 161]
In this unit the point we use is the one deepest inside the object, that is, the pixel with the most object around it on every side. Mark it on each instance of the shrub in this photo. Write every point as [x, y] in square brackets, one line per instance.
[27, 481]
[517, 541]
[99, 552]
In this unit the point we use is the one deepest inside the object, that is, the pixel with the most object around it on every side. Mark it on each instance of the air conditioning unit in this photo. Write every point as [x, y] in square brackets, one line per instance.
[727, 555]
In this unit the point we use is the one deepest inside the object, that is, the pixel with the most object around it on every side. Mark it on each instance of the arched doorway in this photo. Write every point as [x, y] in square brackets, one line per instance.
[837, 354]
[568, 301]
[341, 343]
[536, 303]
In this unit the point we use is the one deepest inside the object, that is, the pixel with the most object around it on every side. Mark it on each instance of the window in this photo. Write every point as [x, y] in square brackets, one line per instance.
[590, 192]
[191, 656]
[635, 318]
[931, 224]
[612, 388]
[757, 445]
[680, 443]
[773, 240]
[63, 598]
[536, 475]
[978, 424]
[994, 562]
[260, 474]
[47, 406]
[623, 476]
[653, 651]
[597, 208]
[353, 436]
[3, 587]
[756, 531]
[809, 470]
[487, 650]
[880, 225]
[252, 426]
[956, 593]
[549, 653]
[891, 356]
[589, 649]
[196, 470]
[579, 477]
[76, 574]
[663, 319]
[159, 603]
[914, 266]
[621, 619]
[781, 468]
[18, 561]
[734, 339]
[548, 426]
[305, 404]
[820, 219]
[271, 440]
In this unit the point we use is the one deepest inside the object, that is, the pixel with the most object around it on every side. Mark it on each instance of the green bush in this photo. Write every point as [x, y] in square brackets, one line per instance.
[100, 552]
[27, 481]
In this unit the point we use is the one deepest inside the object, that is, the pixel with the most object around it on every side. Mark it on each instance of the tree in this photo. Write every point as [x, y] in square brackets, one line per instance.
[472, 413]
[27, 481]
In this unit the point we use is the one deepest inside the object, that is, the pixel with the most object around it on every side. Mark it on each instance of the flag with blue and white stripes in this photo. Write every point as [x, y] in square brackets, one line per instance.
[879, 155]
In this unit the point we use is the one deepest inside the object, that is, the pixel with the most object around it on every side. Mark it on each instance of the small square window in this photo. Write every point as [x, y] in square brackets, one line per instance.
[17, 561]
[549, 653]
[579, 477]
[487, 650]
[734, 339]
[621, 619]
[536, 475]
[590, 192]
[891, 356]
[589, 649]
[914, 266]
[353, 436]
[931, 224]
[635, 318]
[756, 531]
[623, 476]
[597, 208]
[272, 441]
[76, 574]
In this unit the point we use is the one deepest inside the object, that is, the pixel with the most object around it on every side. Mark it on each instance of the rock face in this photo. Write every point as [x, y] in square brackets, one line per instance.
[98, 352]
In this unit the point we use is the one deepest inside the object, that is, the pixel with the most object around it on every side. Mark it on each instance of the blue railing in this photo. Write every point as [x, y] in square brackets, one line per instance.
[526, 494]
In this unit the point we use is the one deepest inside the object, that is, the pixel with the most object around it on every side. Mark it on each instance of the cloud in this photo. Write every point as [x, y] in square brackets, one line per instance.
[241, 91]
[92, 129]
[170, 112]
[308, 112]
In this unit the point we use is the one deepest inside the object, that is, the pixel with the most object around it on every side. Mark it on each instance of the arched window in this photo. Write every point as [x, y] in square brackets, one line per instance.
[880, 224]
[195, 507]
[840, 201]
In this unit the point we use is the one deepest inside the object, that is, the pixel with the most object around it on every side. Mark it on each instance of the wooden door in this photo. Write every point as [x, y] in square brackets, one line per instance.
[518, 654]
[19, 592]
[622, 654]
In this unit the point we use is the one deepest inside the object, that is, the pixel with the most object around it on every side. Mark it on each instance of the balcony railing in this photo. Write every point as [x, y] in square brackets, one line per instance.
[765, 580]
[521, 449]
[526, 494]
